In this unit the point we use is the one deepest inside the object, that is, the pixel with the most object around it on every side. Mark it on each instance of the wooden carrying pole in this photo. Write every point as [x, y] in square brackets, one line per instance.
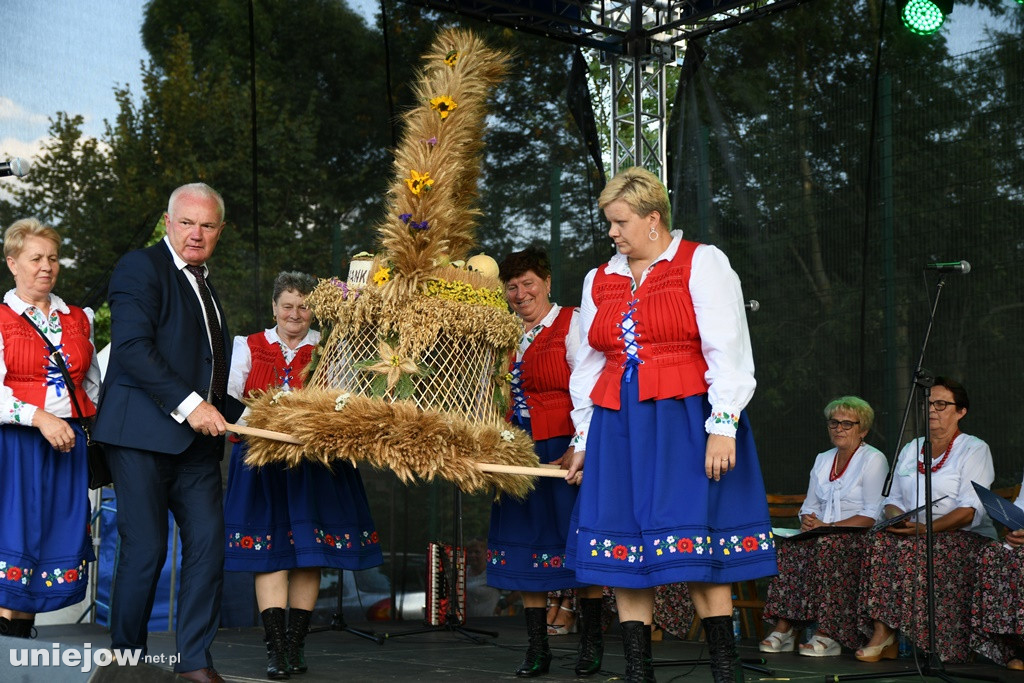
[542, 471]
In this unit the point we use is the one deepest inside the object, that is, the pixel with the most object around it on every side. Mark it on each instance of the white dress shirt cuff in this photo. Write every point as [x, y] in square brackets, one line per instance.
[185, 408]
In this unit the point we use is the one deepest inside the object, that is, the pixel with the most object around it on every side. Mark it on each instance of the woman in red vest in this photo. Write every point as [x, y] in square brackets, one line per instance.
[526, 542]
[672, 489]
[286, 523]
[44, 477]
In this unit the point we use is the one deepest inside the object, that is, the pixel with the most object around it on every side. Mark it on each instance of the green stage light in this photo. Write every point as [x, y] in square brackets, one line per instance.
[924, 17]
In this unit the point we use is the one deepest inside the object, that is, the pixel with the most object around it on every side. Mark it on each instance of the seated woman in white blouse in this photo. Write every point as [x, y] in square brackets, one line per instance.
[845, 489]
[894, 597]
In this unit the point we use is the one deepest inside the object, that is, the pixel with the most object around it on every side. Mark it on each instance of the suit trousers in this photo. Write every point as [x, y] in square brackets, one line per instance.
[188, 484]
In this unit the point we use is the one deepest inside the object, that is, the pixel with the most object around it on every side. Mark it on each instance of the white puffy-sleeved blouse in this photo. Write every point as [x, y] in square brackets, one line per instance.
[721, 320]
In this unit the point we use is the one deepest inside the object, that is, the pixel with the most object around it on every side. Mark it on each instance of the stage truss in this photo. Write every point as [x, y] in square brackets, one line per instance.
[638, 40]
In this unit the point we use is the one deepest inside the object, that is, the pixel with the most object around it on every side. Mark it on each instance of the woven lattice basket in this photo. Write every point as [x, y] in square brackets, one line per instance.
[411, 375]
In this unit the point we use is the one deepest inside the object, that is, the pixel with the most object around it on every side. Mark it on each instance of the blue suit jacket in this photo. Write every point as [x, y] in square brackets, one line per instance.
[159, 354]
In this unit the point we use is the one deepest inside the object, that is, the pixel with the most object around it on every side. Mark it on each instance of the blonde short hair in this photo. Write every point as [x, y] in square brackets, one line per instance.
[642, 191]
[14, 237]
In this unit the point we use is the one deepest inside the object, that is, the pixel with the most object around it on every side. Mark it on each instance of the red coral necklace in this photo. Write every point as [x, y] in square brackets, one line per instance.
[833, 475]
[937, 464]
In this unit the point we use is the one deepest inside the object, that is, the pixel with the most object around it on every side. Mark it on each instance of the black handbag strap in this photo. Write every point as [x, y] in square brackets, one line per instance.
[58, 359]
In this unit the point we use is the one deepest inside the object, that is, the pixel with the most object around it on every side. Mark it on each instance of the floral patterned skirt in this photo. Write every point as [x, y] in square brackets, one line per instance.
[673, 609]
[279, 518]
[45, 543]
[997, 609]
[648, 515]
[526, 540]
[893, 588]
[819, 581]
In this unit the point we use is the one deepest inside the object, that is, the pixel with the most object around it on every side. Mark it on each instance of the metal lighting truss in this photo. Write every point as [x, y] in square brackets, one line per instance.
[637, 40]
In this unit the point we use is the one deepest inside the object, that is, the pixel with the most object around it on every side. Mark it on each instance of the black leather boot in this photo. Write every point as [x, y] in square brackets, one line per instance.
[23, 628]
[636, 642]
[298, 627]
[588, 659]
[725, 665]
[277, 645]
[538, 654]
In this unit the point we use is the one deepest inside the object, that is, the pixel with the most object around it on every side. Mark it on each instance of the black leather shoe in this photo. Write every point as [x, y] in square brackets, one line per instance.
[207, 675]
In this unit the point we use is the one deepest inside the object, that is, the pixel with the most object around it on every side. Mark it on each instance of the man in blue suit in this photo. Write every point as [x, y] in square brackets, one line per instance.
[162, 417]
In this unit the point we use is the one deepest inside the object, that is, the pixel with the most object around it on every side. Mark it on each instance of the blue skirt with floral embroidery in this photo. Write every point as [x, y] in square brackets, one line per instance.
[647, 514]
[45, 541]
[526, 542]
[306, 516]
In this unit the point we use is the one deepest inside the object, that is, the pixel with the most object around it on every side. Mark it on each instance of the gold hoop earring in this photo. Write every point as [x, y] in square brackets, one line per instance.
[653, 234]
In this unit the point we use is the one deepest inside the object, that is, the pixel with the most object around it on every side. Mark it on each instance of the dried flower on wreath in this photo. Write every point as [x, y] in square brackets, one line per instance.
[419, 183]
[443, 105]
[394, 372]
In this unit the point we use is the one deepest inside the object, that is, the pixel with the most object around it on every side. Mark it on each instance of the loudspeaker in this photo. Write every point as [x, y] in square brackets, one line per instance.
[40, 661]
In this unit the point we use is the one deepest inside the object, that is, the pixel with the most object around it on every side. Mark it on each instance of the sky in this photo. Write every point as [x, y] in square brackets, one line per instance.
[69, 55]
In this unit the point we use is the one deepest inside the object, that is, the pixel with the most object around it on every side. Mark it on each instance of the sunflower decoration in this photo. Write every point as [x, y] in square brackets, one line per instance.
[443, 105]
[419, 182]
[451, 58]
[382, 275]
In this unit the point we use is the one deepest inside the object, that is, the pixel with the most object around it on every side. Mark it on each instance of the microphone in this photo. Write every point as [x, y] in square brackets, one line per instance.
[962, 267]
[15, 167]
[753, 305]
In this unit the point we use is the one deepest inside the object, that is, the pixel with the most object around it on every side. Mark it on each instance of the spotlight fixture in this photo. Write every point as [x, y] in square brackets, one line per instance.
[925, 17]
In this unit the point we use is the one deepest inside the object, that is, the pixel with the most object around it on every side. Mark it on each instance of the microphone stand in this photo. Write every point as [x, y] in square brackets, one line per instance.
[920, 387]
[338, 620]
[756, 664]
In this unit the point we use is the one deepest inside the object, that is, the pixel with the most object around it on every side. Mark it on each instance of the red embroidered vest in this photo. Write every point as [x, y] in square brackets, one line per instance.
[672, 364]
[268, 365]
[26, 356]
[545, 380]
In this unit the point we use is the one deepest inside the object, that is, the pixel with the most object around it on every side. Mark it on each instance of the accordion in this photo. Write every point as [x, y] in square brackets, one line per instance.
[446, 585]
